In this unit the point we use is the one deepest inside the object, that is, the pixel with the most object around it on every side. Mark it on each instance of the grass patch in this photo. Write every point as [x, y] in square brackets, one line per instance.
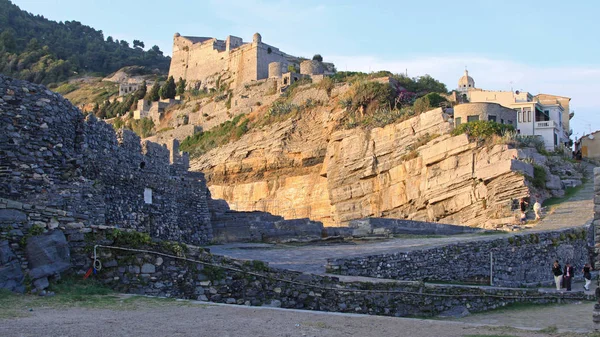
[202, 142]
[569, 192]
[75, 292]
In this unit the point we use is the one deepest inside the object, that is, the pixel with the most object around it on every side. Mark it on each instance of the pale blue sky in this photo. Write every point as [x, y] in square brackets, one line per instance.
[547, 46]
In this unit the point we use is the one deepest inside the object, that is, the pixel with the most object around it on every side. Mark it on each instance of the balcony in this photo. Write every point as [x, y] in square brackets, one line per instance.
[546, 125]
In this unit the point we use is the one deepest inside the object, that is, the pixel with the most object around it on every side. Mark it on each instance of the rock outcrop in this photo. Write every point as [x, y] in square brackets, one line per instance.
[411, 170]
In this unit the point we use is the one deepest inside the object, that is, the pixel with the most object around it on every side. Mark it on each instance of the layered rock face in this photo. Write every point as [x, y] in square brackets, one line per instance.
[413, 170]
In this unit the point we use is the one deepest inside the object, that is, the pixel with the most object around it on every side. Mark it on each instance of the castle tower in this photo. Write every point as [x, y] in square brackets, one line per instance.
[466, 82]
[275, 69]
[256, 38]
[311, 67]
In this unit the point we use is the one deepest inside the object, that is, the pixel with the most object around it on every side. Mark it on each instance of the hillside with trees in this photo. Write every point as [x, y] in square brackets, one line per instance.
[36, 49]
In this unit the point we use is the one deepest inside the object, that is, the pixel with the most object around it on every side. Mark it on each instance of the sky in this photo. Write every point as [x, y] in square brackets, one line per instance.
[540, 46]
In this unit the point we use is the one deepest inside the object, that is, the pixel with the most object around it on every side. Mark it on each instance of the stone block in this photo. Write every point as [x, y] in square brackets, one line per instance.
[148, 268]
[48, 254]
[8, 215]
[41, 283]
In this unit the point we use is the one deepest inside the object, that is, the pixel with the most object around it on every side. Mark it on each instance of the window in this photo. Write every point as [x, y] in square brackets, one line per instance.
[555, 140]
[148, 196]
[472, 118]
[529, 116]
[491, 118]
[509, 122]
[457, 121]
[501, 121]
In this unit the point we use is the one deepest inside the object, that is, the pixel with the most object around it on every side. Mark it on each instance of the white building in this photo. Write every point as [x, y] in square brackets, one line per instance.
[533, 117]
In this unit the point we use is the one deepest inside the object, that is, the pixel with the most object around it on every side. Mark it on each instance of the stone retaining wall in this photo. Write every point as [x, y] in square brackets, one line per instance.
[519, 260]
[254, 283]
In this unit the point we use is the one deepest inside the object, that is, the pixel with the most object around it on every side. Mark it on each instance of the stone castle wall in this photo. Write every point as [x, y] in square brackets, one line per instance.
[519, 260]
[54, 157]
[197, 59]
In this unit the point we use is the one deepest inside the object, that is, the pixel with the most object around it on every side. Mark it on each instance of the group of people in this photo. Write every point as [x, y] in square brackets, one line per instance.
[537, 209]
[565, 276]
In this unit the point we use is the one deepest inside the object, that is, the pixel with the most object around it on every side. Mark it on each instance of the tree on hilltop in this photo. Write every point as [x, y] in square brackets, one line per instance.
[318, 57]
[138, 43]
[168, 89]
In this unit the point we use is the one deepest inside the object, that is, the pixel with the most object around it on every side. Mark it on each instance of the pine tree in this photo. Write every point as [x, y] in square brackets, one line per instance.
[168, 89]
[180, 86]
[154, 94]
[141, 92]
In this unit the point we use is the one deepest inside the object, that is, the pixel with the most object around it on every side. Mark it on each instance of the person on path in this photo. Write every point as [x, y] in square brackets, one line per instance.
[537, 208]
[558, 274]
[523, 205]
[587, 276]
[568, 276]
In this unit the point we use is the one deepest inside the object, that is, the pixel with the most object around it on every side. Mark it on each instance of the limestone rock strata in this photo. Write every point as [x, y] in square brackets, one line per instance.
[414, 170]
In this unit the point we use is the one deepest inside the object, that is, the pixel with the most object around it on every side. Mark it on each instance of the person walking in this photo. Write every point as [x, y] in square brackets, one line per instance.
[558, 274]
[587, 275]
[537, 208]
[568, 276]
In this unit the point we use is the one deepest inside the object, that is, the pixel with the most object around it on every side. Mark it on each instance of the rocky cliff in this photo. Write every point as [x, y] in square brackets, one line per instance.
[413, 169]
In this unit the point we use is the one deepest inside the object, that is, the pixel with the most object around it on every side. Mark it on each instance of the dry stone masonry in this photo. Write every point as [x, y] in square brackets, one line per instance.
[51, 156]
[516, 261]
[253, 283]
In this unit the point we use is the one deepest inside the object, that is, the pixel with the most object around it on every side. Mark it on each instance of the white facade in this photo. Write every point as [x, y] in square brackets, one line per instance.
[533, 118]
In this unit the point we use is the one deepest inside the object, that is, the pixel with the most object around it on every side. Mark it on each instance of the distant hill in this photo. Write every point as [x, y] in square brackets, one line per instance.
[39, 50]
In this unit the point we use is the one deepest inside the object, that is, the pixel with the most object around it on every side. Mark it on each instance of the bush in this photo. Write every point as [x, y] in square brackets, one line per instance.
[422, 104]
[202, 142]
[482, 129]
[371, 95]
[281, 108]
[539, 176]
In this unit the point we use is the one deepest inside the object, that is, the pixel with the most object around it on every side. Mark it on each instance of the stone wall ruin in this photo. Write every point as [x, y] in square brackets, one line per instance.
[52, 156]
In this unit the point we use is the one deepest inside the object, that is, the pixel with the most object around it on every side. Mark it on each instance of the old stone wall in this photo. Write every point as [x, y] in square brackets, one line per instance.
[218, 279]
[483, 111]
[519, 260]
[52, 157]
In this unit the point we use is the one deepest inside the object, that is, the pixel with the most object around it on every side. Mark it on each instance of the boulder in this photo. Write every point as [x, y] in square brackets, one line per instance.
[11, 275]
[48, 254]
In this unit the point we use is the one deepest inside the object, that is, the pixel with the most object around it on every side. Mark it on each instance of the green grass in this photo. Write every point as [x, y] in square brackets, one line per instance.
[569, 192]
[73, 292]
[202, 142]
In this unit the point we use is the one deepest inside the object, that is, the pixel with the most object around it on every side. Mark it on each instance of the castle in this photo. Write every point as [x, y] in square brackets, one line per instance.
[201, 61]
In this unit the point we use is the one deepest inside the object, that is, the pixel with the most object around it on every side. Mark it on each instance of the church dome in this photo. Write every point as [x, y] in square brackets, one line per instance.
[466, 81]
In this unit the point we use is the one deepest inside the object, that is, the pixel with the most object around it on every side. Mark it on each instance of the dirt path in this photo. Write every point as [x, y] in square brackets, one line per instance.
[227, 320]
[576, 211]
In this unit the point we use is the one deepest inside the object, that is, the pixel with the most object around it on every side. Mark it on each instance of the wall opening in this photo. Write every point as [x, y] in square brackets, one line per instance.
[142, 164]
[148, 196]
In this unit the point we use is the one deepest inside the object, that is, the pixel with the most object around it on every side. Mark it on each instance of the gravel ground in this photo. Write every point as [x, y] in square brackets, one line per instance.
[185, 319]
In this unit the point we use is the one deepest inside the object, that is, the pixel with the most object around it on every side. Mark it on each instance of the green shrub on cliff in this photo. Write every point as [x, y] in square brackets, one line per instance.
[482, 129]
[202, 142]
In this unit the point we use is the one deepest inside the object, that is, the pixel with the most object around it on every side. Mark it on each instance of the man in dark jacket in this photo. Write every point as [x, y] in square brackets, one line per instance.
[568, 276]
[558, 274]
